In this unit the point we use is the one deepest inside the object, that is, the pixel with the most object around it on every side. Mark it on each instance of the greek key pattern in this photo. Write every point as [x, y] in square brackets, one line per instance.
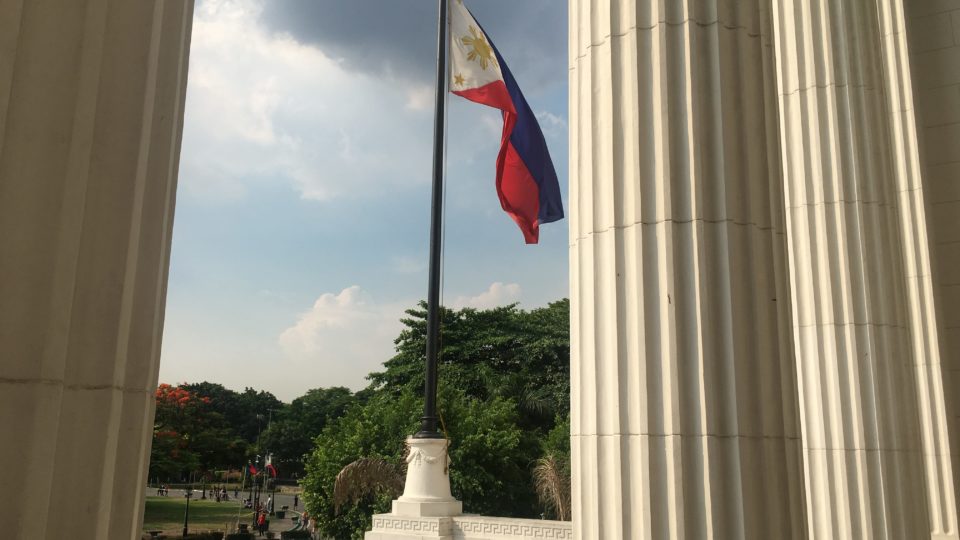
[387, 522]
[514, 529]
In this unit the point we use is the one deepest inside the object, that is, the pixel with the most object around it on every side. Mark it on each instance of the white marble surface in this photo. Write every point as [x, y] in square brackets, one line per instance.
[91, 97]
[426, 491]
[755, 336]
[467, 527]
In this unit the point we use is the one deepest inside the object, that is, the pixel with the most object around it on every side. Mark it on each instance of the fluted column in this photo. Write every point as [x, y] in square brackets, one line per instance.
[91, 95]
[870, 401]
[683, 395]
[934, 59]
[925, 334]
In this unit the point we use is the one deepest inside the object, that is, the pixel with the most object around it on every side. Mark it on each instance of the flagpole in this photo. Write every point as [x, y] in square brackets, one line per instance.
[428, 427]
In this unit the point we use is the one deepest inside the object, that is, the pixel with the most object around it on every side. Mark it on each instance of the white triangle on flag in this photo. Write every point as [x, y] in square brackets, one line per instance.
[473, 63]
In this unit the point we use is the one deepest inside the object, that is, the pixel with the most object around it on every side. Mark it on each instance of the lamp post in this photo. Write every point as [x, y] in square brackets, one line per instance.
[273, 495]
[253, 480]
[186, 513]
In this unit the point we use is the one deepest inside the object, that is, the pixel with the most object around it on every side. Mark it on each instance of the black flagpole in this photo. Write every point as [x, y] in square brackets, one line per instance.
[428, 427]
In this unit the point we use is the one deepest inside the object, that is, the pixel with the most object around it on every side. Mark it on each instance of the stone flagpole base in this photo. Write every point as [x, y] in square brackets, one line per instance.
[426, 507]
[427, 491]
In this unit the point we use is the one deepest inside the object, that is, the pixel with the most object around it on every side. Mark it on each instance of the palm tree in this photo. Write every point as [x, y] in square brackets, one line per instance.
[552, 485]
[368, 476]
[532, 402]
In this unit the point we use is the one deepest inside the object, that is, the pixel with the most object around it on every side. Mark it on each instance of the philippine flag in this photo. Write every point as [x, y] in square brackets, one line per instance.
[526, 180]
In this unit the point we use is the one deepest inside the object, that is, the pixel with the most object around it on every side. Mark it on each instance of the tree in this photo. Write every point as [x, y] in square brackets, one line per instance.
[291, 435]
[191, 434]
[376, 429]
[179, 415]
[504, 376]
[551, 475]
[491, 457]
[505, 352]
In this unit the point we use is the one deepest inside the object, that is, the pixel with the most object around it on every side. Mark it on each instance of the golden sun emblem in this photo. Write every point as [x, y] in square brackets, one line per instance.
[480, 49]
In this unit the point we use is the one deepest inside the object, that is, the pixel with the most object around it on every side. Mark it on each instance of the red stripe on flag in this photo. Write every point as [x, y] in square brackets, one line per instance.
[519, 194]
[518, 191]
[494, 95]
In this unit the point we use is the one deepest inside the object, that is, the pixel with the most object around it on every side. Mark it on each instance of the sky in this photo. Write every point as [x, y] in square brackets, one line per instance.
[303, 207]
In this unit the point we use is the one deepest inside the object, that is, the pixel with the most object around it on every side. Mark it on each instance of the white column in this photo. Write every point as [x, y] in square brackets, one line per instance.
[931, 122]
[870, 388]
[683, 397]
[91, 95]
[925, 336]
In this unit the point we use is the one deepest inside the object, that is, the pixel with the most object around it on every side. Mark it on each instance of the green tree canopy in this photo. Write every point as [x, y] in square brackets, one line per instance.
[503, 401]
[491, 456]
[290, 436]
[504, 386]
[505, 352]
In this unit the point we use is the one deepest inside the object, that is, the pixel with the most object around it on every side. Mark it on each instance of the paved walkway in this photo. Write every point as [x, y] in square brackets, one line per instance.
[282, 498]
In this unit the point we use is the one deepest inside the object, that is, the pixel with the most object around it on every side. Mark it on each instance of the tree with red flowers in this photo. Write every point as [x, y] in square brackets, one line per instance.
[189, 436]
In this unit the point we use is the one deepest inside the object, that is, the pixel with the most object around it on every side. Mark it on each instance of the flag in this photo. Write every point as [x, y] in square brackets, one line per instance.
[526, 180]
[252, 469]
[268, 461]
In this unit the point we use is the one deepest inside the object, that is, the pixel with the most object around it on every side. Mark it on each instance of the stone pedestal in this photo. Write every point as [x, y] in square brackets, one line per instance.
[91, 109]
[426, 506]
[427, 489]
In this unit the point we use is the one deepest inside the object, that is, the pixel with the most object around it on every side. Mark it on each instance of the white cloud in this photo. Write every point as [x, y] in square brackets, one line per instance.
[262, 107]
[552, 125]
[344, 336]
[498, 294]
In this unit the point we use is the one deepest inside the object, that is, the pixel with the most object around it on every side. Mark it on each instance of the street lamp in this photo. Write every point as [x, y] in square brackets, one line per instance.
[255, 491]
[186, 514]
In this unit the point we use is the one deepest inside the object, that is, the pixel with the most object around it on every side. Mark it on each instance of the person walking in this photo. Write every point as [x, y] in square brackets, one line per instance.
[296, 499]
[262, 522]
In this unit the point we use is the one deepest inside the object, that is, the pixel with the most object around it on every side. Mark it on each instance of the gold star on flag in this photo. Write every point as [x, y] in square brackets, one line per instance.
[480, 49]
[458, 79]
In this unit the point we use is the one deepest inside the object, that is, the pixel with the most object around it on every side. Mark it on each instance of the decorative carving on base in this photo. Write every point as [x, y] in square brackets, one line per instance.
[426, 491]
[391, 523]
[396, 527]
[417, 456]
[478, 527]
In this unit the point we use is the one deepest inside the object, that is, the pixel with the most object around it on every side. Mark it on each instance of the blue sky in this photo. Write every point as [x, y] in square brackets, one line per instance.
[302, 218]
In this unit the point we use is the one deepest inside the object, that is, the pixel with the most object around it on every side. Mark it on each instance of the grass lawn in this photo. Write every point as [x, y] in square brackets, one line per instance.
[166, 514]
